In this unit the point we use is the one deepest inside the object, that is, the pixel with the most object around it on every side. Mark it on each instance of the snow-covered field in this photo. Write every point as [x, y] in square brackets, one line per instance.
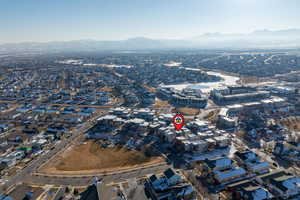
[207, 87]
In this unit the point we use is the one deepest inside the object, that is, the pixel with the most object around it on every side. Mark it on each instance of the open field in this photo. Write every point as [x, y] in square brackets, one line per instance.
[159, 104]
[292, 123]
[106, 89]
[89, 157]
[162, 106]
[173, 64]
[149, 88]
[212, 115]
[188, 111]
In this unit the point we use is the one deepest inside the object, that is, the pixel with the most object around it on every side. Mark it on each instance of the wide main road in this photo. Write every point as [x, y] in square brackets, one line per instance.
[36, 163]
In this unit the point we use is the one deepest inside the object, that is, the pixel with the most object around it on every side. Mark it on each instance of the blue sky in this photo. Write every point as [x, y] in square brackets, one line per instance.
[49, 20]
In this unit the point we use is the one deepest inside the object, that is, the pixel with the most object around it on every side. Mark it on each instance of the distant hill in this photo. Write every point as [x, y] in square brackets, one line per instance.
[289, 38]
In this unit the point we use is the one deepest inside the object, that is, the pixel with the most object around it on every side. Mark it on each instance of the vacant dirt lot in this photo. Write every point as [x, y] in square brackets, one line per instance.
[149, 88]
[89, 157]
[292, 123]
[212, 115]
[188, 111]
[159, 104]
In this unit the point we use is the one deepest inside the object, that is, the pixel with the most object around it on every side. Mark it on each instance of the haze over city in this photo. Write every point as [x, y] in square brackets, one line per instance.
[43, 21]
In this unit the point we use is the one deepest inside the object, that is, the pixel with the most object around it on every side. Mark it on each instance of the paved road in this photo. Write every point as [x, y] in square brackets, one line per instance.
[27, 173]
[33, 165]
[85, 180]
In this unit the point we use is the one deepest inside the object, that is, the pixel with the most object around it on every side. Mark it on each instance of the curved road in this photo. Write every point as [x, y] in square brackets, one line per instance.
[85, 180]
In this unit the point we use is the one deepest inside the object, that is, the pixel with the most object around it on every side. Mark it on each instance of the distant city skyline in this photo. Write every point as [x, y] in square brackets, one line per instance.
[55, 20]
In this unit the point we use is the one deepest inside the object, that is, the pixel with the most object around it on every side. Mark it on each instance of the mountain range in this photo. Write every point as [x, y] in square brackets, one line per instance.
[288, 38]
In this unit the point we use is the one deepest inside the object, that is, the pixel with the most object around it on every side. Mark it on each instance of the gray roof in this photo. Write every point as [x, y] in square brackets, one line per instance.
[169, 173]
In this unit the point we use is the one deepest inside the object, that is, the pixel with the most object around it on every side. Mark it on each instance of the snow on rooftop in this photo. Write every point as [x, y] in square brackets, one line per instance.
[230, 173]
[222, 162]
[107, 117]
[210, 155]
[292, 183]
[137, 120]
[261, 194]
[260, 165]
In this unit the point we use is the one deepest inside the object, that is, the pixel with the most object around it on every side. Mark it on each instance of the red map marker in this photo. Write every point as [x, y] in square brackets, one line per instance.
[178, 121]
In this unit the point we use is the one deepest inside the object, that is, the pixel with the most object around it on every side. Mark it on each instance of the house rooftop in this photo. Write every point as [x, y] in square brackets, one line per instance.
[259, 165]
[153, 178]
[258, 193]
[169, 173]
[5, 197]
[247, 155]
[219, 162]
[230, 173]
[287, 183]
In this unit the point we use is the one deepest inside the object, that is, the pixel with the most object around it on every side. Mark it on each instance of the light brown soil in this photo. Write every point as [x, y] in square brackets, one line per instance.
[106, 89]
[159, 103]
[89, 157]
[211, 116]
[149, 88]
[291, 123]
[188, 111]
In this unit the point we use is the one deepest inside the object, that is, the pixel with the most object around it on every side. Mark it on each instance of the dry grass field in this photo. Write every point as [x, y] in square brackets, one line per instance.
[292, 123]
[89, 157]
[159, 104]
[212, 115]
[106, 89]
[188, 111]
[149, 88]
